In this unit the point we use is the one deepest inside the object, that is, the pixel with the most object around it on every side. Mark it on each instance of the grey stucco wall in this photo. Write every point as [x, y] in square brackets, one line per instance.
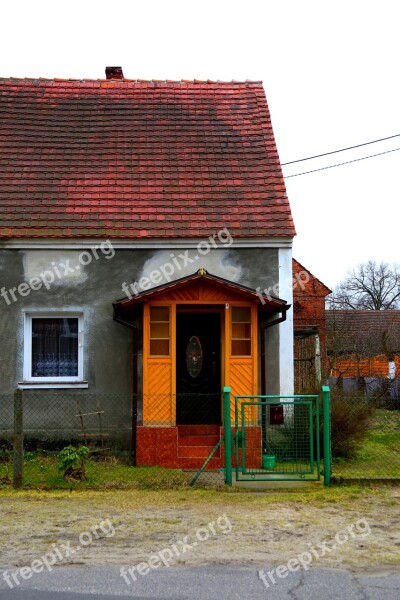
[91, 289]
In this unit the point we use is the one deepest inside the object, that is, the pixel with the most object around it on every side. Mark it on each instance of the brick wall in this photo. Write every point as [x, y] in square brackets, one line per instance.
[309, 301]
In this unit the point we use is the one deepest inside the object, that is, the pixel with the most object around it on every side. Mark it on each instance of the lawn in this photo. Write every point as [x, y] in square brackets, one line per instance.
[41, 472]
[379, 455]
[377, 458]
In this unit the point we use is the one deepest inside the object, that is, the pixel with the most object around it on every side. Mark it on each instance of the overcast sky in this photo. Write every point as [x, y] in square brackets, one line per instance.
[331, 75]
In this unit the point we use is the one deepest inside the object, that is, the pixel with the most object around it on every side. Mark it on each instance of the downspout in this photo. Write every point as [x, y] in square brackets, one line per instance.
[263, 328]
[264, 374]
[134, 389]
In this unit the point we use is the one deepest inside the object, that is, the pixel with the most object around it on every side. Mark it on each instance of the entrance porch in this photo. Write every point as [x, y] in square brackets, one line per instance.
[199, 334]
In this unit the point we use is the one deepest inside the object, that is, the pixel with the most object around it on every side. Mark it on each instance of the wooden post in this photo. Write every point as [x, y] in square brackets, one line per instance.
[18, 441]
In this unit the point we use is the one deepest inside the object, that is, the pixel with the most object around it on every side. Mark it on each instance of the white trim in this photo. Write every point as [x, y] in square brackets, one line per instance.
[25, 385]
[27, 368]
[156, 244]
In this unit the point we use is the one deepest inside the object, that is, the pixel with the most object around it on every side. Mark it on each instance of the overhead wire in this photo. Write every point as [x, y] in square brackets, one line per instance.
[341, 164]
[390, 137]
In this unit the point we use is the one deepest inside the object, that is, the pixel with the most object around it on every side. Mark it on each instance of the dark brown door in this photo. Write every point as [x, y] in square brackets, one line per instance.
[198, 368]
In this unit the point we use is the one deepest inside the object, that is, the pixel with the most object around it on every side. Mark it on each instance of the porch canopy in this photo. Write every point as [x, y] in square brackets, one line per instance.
[201, 286]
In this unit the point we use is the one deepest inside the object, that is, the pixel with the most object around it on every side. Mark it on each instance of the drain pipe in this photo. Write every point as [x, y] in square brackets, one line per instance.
[263, 350]
[264, 374]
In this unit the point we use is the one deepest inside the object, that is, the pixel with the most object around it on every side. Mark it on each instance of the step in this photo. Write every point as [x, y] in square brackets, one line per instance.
[184, 430]
[198, 440]
[196, 451]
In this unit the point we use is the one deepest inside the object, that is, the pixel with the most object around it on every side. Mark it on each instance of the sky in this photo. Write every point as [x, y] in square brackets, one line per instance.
[330, 72]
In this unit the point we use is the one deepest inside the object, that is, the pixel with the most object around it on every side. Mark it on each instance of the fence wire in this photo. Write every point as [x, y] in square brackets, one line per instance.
[365, 438]
[6, 438]
[159, 454]
[132, 441]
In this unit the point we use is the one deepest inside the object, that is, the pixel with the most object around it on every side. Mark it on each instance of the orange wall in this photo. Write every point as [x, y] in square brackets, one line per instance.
[355, 366]
[159, 377]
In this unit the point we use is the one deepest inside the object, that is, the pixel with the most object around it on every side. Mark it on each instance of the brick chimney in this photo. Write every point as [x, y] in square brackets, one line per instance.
[114, 73]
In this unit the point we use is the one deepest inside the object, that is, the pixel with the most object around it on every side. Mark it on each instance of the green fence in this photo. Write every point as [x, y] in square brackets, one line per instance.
[277, 438]
[36, 425]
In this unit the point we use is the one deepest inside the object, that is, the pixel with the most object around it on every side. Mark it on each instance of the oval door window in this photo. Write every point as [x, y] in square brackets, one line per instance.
[194, 356]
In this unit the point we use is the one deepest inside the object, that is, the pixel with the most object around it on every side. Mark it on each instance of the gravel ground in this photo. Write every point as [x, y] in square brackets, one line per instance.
[256, 528]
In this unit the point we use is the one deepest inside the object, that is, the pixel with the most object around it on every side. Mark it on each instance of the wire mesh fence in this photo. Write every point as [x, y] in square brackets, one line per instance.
[165, 441]
[365, 438]
[181, 431]
[132, 441]
[276, 438]
[6, 438]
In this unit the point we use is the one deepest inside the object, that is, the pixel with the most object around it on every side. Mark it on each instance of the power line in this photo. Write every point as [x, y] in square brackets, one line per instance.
[341, 164]
[341, 150]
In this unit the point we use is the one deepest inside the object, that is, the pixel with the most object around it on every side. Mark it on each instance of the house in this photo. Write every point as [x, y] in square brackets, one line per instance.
[145, 254]
[309, 295]
[363, 346]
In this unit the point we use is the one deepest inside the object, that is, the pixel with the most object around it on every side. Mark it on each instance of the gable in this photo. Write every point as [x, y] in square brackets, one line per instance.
[307, 284]
[202, 291]
[201, 287]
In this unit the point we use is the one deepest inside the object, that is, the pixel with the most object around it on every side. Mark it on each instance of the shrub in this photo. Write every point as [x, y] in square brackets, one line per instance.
[351, 419]
[72, 462]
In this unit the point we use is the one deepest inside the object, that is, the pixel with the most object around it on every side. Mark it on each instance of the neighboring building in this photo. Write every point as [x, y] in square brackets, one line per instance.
[364, 344]
[309, 295]
[142, 227]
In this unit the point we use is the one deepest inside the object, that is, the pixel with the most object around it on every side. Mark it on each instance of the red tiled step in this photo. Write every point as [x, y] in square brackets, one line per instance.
[184, 430]
[196, 451]
[198, 440]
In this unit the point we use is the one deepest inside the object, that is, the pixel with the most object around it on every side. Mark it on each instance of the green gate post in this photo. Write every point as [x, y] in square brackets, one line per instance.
[18, 445]
[326, 410]
[228, 435]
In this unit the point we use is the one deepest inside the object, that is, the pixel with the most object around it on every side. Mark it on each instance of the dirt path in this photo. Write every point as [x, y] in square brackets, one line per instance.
[257, 528]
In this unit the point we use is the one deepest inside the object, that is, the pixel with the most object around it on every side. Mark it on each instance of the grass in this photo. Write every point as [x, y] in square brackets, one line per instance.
[132, 498]
[378, 457]
[41, 472]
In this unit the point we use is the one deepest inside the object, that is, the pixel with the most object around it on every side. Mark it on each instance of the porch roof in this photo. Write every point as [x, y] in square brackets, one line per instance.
[226, 291]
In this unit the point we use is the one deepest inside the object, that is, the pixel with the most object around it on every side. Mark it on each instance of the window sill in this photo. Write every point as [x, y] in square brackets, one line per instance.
[42, 385]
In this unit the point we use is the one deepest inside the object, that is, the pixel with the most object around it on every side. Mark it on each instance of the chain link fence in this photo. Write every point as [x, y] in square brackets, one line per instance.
[135, 442]
[132, 441]
[6, 438]
[181, 431]
[365, 438]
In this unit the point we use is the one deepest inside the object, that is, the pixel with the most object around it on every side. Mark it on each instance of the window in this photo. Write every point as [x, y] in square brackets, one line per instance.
[53, 348]
[159, 330]
[241, 331]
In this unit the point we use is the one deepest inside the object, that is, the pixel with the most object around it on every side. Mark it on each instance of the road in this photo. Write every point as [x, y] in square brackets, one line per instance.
[204, 583]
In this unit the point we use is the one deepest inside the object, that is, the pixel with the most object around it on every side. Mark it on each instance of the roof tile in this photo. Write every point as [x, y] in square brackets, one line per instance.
[138, 159]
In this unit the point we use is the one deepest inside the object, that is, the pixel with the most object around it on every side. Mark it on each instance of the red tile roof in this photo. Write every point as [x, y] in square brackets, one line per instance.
[138, 159]
[368, 332]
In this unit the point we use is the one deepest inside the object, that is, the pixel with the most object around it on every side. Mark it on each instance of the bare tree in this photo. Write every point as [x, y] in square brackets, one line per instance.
[370, 286]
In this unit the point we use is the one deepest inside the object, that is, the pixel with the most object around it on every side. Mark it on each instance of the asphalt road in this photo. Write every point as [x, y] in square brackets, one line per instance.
[204, 583]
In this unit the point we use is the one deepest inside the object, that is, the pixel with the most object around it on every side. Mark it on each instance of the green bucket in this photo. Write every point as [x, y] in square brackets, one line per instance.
[268, 462]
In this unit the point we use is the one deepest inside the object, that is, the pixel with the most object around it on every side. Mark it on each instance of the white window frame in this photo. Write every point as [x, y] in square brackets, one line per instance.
[28, 378]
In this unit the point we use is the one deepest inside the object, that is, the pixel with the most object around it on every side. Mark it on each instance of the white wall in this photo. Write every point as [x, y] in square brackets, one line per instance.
[286, 363]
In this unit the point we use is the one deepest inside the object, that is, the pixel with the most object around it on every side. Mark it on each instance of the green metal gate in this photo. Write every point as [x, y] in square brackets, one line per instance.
[278, 438]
